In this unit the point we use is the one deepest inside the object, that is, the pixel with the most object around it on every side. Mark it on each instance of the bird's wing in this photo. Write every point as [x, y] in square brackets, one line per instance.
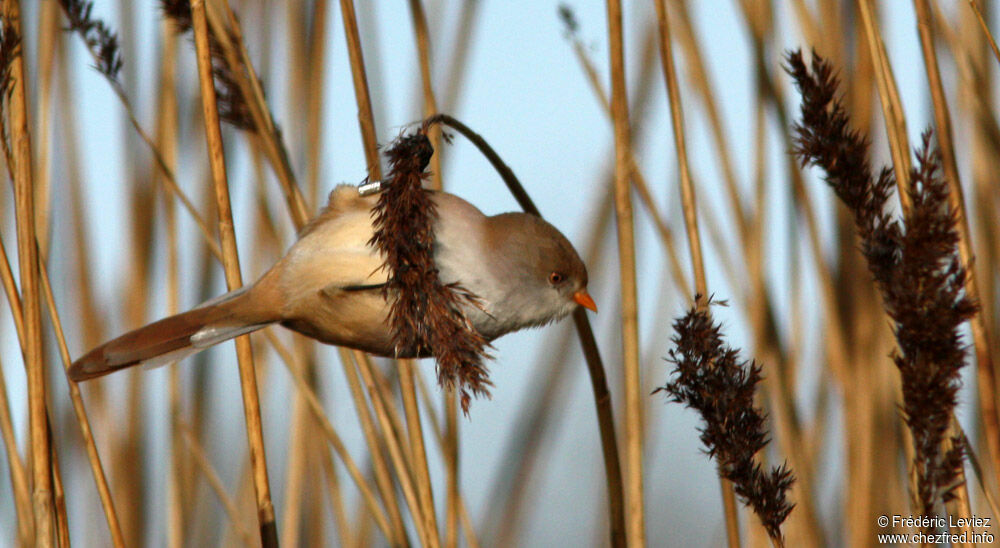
[334, 256]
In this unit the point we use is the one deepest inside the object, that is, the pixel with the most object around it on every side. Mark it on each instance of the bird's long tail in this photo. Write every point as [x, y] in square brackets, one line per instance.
[173, 338]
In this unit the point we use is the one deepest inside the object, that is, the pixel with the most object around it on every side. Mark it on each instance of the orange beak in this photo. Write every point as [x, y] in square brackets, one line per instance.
[584, 299]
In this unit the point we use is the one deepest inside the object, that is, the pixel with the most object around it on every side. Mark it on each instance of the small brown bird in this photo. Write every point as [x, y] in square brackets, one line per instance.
[329, 286]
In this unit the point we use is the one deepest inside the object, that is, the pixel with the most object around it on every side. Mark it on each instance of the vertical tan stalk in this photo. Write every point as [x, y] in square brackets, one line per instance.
[246, 78]
[314, 133]
[980, 328]
[167, 140]
[522, 455]
[699, 75]
[48, 41]
[430, 103]
[686, 187]
[103, 490]
[407, 372]
[790, 431]
[295, 472]
[397, 452]
[636, 176]
[203, 462]
[62, 520]
[465, 29]
[34, 360]
[595, 366]
[450, 450]
[986, 29]
[15, 467]
[892, 112]
[366, 118]
[634, 510]
[418, 451]
[382, 478]
[341, 525]
[302, 384]
[691, 222]
[442, 439]
[18, 473]
[227, 237]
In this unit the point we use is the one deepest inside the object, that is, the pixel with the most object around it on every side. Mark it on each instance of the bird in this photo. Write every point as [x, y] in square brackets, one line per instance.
[329, 286]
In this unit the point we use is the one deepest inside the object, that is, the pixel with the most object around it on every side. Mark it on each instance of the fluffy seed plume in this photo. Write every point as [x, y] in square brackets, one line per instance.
[916, 268]
[426, 315]
[10, 49]
[926, 300]
[825, 139]
[100, 39]
[710, 378]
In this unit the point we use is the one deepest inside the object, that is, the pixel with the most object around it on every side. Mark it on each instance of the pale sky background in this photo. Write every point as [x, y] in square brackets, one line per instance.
[527, 95]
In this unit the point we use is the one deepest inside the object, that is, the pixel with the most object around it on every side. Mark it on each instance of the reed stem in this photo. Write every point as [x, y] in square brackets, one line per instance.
[31, 348]
[234, 279]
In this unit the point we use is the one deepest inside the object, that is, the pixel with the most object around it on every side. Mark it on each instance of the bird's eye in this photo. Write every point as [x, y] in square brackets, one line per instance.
[556, 278]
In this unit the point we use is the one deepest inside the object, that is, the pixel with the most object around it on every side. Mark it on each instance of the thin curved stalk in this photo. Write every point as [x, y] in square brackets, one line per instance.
[595, 366]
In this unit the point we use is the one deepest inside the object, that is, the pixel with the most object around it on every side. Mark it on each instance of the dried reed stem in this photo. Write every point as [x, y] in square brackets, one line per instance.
[691, 223]
[299, 436]
[430, 103]
[336, 501]
[986, 29]
[418, 452]
[426, 511]
[699, 77]
[442, 439]
[892, 112]
[761, 310]
[366, 118]
[385, 394]
[227, 236]
[634, 508]
[302, 384]
[398, 453]
[521, 455]
[230, 35]
[31, 349]
[383, 480]
[48, 41]
[15, 465]
[215, 482]
[762, 315]
[465, 29]
[449, 447]
[62, 520]
[166, 136]
[635, 174]
[314, 133]
[103, 490]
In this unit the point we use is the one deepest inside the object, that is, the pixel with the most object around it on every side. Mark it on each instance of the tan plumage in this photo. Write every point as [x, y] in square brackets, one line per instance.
[327, 285]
